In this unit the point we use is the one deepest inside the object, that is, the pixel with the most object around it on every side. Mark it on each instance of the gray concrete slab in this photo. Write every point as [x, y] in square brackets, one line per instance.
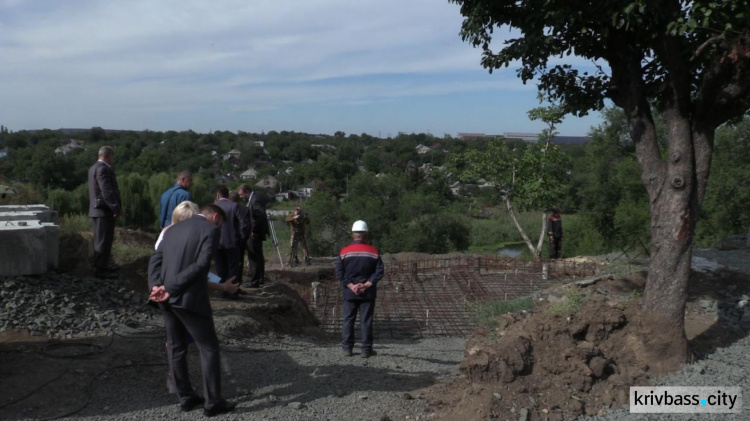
[23, 248]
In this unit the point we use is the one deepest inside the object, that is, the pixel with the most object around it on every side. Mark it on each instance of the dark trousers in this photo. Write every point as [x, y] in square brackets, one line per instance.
[256, 263]
[178, 323]
[555, 248]
[104, 236]
[241, 249]
[227, 263]
[366, 309]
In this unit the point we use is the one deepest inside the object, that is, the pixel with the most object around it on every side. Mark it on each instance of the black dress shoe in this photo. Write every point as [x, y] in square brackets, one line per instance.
[254, 285]
[368, 354]
[220, 408]
[192, 403]
[228, 296]
[113, 268]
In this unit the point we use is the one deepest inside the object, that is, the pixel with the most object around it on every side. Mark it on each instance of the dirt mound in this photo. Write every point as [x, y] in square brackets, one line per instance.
[550, 364]
[579, 350]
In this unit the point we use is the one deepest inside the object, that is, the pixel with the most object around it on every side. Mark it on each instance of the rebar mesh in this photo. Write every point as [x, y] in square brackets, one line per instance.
[435, 297]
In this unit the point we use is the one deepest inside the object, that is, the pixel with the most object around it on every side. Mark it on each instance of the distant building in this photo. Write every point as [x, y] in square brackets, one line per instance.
[70, 146]
[268, 182]
[475, 136]
[233, 154]
[422, 149]
[249, 174]
[323, 146]
[526, 137]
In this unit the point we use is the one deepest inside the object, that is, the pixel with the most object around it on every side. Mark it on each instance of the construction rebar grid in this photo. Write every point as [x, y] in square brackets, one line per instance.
[436, 297]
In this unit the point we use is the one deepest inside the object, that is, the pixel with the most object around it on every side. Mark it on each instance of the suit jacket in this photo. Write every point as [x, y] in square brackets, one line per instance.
[181, 263]
[234, 225]
[257, 206]
[104, 193]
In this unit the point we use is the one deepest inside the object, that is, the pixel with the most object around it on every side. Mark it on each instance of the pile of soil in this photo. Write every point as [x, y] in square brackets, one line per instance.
[541, 365]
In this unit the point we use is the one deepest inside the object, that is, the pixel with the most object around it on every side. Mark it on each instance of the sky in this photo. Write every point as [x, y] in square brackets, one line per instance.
[316, 66]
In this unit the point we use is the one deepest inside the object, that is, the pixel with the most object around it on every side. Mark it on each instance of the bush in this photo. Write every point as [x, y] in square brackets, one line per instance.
[580, 238]
[75, 223]
[487, 314]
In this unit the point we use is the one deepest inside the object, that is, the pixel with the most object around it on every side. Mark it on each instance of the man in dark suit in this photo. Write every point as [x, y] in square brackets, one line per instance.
[228, 253]
[104, 207]
[256, 203]
[234, 196]
[177, 275]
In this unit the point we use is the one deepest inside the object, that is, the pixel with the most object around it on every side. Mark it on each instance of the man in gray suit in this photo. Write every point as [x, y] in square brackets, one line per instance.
[104, 207]
[177, 275]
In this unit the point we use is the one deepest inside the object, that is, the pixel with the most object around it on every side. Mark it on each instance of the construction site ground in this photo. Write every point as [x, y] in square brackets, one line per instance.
[281, 358]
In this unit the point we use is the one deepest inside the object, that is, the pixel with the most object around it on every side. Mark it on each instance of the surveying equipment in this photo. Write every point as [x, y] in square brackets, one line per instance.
[274, 238]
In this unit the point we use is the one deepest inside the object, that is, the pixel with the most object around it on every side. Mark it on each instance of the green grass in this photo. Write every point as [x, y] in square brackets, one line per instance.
[124, 253]
[488, 313]
[571, 302]
[75, 223]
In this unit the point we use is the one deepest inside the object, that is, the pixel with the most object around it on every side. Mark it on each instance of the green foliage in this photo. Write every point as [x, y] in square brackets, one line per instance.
[137, 208]
[580, 239]
[62, 201]
[328, 230]
[569, 303]
[725, 209]
[75, 223]
[487, 314]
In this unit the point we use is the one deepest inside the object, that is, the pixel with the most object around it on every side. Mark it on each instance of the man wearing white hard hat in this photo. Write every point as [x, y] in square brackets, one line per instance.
[359, 268]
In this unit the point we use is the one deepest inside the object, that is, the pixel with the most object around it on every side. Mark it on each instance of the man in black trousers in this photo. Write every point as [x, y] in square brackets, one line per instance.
[228, 254]
[104, 207]
[256, 204]
[177, 275]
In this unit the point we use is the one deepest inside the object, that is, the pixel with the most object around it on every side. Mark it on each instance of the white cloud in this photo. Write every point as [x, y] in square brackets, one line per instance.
[177, 55]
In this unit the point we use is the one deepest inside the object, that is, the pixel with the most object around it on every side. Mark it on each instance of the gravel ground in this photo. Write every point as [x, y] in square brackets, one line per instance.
[287, 379]
[728, 366]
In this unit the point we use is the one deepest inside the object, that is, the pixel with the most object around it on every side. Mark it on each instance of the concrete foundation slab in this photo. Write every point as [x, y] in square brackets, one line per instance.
[29, 240]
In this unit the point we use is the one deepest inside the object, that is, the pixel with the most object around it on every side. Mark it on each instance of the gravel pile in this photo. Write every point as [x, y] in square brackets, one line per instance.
[62, 306]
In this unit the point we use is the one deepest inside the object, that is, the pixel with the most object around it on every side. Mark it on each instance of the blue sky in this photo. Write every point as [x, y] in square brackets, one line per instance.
[317, 66]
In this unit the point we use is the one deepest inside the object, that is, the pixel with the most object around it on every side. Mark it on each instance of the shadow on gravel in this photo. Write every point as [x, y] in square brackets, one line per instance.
[278, 379]
[126, 375]
[721, 293]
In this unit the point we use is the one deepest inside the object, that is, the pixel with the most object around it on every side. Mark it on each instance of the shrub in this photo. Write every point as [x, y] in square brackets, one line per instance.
[487, 314]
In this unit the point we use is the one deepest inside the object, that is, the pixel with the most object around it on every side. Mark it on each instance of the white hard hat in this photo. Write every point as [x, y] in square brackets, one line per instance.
[359, 226]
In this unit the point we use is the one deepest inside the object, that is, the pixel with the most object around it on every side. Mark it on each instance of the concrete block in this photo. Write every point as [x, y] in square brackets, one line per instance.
[52, 233]
[23, 248]
[43, 215]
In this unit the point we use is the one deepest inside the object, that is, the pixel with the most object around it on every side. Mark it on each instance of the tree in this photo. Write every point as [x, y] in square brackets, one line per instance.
[689, 59]
[535, 178]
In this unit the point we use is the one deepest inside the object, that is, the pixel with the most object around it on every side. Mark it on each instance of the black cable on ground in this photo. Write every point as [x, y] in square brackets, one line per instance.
[38, 388]
[90, 389]
[97, 349]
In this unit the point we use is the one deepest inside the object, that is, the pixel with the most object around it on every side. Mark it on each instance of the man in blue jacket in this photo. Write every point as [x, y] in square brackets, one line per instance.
[359, 268]
[174, 196]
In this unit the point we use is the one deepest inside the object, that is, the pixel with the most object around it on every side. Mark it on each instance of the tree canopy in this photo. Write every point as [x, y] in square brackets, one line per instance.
[687, 61]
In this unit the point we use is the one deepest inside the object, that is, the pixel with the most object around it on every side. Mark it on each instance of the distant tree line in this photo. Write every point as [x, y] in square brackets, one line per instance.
[378, 180]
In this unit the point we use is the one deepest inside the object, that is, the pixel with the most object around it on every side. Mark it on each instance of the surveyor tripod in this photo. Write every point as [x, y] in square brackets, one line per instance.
[274, 238]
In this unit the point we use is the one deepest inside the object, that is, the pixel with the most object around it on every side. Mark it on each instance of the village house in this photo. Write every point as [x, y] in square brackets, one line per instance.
[268, 182]
[70, 146]
[249, 174]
